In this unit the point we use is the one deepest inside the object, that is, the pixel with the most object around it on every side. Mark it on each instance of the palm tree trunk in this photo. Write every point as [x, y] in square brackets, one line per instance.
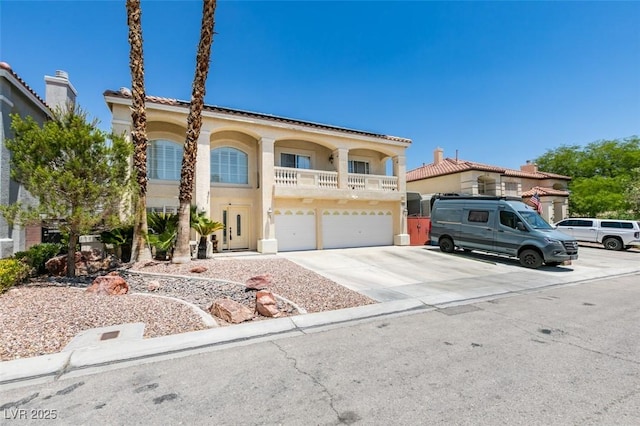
[140, 249]
[182, 253]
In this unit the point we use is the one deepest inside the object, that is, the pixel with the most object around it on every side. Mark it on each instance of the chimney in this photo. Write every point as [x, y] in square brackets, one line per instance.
[437, 156]
[529, 167]
[60, 93]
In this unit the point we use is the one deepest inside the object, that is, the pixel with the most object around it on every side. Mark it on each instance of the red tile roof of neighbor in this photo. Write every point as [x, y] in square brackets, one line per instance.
[126, 94]
[545, 192]
[450, 166]
[5, 66]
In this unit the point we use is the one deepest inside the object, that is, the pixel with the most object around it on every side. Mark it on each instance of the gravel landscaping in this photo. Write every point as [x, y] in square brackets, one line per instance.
[41, 317]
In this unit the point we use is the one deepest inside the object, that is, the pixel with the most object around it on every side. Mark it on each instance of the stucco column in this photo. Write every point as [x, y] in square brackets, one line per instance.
[267, 242]
[202, 186]
[341, 159]
[400, 171]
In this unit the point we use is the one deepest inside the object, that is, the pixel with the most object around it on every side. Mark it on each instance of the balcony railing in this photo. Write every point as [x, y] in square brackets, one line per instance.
[286, 176]
[290, 177]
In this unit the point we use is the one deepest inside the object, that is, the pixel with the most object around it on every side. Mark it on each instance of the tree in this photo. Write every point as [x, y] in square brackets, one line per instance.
[633, 192]
[140, 249]
[77, 173]
[182, 252]
[602, 175]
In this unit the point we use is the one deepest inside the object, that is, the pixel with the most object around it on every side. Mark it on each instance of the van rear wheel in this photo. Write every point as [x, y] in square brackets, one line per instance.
[530, 259]
[446, 245]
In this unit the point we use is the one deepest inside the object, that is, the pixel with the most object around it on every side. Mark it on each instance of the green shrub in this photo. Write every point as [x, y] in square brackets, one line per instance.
[121, 239]
[12, 272]
[163, 229]
[36, 256]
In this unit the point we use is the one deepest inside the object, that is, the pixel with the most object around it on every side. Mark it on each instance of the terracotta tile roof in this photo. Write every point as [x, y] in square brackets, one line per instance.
[542, 191]
[126, 94]
[450, 166]
[5, 66]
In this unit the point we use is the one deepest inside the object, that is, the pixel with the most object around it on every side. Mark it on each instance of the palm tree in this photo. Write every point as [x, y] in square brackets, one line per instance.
[182, 252]
[140, 249]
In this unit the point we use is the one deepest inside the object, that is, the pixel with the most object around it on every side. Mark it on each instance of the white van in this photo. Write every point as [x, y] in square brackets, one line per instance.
[612, 233]
[503, 225]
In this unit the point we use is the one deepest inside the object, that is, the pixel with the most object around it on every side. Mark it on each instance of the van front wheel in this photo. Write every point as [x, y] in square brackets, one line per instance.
[530, 259]
[446, 245]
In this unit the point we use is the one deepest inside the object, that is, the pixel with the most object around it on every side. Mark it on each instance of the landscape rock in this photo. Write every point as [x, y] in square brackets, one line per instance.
[87, 263]
[198, 269]
[230, 311]
[266, 304]
[258, 282]
[111, 284]
[153, 285]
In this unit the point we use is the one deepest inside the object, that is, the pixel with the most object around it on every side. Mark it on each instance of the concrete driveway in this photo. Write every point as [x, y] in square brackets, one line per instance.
[435, 278]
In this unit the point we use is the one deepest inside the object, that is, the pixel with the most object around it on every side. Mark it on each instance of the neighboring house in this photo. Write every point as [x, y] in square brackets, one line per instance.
[449, 175]
[16, 97]
[277, 184]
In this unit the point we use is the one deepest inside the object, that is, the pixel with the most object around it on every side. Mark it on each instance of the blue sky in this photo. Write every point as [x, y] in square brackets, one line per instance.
[498, 82]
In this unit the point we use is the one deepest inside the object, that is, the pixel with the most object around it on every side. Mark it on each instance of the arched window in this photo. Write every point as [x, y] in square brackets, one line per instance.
[164, 160]
[229, 165]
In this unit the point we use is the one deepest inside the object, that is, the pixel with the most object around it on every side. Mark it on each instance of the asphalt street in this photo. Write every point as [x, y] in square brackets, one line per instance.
[567, 354]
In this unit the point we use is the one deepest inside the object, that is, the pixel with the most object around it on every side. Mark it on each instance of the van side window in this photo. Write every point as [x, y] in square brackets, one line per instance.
[450, 215]
[481, 216]
[508, 219]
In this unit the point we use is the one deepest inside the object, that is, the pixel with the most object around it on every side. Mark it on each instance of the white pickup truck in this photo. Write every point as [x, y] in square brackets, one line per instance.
[613, 234]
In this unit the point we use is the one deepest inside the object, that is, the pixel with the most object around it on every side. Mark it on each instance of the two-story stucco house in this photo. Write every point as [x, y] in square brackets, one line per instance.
[17, 97]
[453, 175]
[277, 184]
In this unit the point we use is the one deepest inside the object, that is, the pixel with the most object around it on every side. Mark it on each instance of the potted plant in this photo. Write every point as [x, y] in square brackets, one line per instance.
[204, 227]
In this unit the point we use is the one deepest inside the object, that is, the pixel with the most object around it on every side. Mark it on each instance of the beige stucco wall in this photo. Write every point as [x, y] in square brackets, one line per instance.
[263, 141]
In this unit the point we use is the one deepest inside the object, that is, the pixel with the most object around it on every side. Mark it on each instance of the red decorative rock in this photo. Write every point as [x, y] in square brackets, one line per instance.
[258, 282]
[198, 269]
[111, 284]
[230, 311]
[87, 262]
[57, 265]
[266, 304]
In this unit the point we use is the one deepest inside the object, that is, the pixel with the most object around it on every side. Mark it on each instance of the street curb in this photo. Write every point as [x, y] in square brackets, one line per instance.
[111, 352]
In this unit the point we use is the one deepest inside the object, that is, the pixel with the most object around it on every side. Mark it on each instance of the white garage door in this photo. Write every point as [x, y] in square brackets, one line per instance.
[356, 228]
[295, 229]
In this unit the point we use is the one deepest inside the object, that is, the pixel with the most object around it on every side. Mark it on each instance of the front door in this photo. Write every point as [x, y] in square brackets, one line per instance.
[236, 228]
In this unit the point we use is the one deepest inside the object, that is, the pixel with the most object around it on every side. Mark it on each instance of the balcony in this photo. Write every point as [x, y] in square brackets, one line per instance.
[291, 182]
[305, 178]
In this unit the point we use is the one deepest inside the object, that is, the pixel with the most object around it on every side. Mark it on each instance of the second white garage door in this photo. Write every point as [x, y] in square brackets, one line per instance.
[356, 228]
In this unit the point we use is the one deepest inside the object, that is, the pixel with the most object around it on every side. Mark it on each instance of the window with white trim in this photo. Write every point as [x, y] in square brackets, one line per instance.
[511, 188]
[361, 167]
[229, 165]
[295, 161]
[163, 209]
[164, 160]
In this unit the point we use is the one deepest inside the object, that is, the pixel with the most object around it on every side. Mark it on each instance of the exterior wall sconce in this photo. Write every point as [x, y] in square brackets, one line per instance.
[331, 158]
[405, 212]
